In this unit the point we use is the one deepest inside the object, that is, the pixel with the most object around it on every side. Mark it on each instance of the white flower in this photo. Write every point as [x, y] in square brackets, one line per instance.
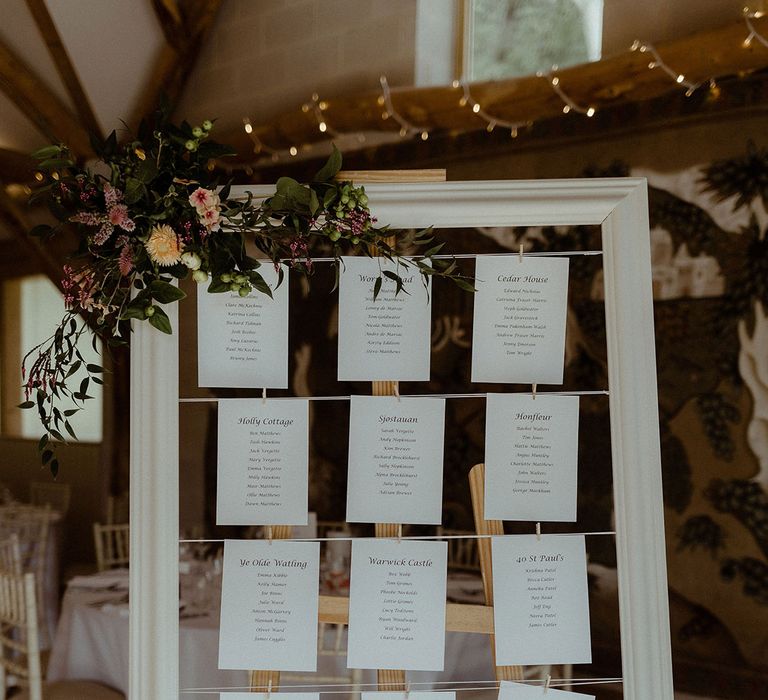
[191, 260]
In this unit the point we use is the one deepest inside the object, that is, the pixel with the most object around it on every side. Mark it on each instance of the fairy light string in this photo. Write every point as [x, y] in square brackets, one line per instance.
[406, 128]
[570, 105]
[492, 122]
[749, 15]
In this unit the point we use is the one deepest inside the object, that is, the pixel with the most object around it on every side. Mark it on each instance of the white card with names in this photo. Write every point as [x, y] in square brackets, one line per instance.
[531, 457]
[263, 459]
[518, 332]
[395, 460]
[397, 605]
[274, 696]
[243, 341]
[385, 339]
[541, 603]
[527, 691]
[269, 600]
[412, 695]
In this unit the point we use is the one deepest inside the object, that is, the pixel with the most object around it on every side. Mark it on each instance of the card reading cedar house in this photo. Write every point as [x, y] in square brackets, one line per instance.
[395, 460]
[397, 605]
[523, 691]
[518, 333]
[262, 462]
[269, 600]
[243, 341]
[531, 457]
[541, 604]
[385, 339]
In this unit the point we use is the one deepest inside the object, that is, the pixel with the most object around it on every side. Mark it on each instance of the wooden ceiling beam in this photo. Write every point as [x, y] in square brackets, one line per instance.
[33, 97]
[64, 65]
[179, 55]
[16, 167]
[621, 79]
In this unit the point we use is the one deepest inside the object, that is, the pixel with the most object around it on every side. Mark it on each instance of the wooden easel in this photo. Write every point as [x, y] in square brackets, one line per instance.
[459, 617]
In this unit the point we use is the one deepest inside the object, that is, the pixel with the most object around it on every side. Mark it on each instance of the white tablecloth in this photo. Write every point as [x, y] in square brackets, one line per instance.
[92, 643]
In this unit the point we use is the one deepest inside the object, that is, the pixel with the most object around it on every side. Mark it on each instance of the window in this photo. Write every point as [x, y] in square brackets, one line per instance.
[33, 308]
[506, 38]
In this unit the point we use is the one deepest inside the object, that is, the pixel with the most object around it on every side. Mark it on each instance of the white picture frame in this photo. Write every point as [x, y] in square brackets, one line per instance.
[620, 207]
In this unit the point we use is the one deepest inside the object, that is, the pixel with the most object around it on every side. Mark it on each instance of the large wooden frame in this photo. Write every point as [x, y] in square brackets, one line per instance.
[620, 206]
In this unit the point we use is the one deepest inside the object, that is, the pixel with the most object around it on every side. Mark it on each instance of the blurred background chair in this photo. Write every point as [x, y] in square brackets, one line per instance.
[10, 555]
[118, 508]
[31, 526]
[463, 554]
[111, 543]
[20, 648]
[57, 496]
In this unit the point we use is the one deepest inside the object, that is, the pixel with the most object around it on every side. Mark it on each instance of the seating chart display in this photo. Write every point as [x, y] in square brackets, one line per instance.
[391, 596]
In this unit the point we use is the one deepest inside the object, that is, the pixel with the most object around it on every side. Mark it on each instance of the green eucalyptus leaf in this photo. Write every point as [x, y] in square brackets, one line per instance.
[134, 189]
[331, 167]
[160, 321]
[164, 292]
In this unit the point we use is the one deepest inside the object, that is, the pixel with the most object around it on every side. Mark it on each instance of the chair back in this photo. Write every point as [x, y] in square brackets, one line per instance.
[57, 496]
[10, 555]
[463, 554]
[32, 525]
[112, 546]
[19, 642]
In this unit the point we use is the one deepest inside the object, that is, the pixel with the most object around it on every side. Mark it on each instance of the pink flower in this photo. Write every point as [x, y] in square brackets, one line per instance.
[210, 219]
[112, 195]
[203, 200]
[86, 217]
[118, 216]
[125, 261]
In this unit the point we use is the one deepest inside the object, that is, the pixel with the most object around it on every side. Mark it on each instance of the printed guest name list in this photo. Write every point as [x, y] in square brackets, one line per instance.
[518, 334]
[531, 457]
[243, 341]
[262, 462]
[395, 460]
[397, 605]
[269, 601]
[387, 338]
[541, 603]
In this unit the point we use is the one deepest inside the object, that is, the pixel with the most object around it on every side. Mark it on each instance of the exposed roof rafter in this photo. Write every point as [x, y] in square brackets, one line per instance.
[185, 26]
[64, 65]
[33, 97]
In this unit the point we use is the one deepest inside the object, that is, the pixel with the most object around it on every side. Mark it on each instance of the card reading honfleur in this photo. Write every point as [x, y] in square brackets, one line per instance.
[397, 605]
[531, 457]
[395, 469]
[269, 601]
[387, 338]
[262, 464]
[541, 603]
[243, 341]
[518, 332]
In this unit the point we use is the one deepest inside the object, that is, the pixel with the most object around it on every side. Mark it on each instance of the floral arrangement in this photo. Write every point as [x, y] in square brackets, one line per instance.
[154, 211]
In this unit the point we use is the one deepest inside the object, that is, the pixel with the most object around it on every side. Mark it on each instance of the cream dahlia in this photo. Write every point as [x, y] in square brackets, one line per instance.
[163, 246]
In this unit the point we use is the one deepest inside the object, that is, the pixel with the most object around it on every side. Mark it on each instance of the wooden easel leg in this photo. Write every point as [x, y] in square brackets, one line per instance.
[488, 527]
[264, 681]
